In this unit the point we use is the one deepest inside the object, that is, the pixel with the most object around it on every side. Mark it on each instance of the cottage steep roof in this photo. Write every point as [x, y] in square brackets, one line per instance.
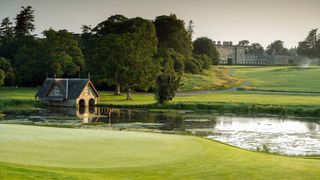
[75, 87]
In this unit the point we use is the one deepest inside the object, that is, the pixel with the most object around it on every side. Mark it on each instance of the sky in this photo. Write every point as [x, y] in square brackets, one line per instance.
[262, 21]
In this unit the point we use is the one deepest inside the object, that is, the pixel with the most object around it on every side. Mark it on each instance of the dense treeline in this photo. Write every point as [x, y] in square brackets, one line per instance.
[27, 60]
[310, 47]
[123, 52]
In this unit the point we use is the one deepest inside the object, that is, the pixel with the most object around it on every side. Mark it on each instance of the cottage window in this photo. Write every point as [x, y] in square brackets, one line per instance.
[56, 92]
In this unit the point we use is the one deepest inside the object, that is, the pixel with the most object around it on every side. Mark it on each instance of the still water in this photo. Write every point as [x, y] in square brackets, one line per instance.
[293, 136]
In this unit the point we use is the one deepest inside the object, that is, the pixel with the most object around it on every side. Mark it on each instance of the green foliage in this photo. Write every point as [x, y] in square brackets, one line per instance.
[8, 70]
[205, 46]
[7, 47]
[192, 66]
[167, 85]
[171, 33]
[58, 54]
[2, 77]
[6, 31]
[243, 43]
[204, 61]
[116, 24]
[255, 48]
[63, 52]
[265, 148]
[30, 63]
[276, 48]
[310, 47]
[170, 59]
[24, 22]
[125, 57]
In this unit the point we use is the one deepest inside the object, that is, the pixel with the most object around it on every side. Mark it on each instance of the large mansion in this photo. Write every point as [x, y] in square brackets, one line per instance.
[235, 54]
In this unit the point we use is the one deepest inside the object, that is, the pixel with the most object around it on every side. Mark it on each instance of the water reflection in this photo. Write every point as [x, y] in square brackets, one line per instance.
[136, 118]
[282, 135]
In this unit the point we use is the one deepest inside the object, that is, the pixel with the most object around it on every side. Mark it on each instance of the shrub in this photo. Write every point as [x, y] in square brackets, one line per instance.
[167, 85]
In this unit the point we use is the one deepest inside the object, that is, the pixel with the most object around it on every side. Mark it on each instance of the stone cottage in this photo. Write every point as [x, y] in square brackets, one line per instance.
[67, 92]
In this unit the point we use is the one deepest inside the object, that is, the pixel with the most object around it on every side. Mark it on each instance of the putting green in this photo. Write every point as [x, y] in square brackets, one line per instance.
[79, 148]
[29, 152]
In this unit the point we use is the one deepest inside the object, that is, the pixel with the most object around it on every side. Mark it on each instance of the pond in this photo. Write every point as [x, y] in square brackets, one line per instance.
[283, 135]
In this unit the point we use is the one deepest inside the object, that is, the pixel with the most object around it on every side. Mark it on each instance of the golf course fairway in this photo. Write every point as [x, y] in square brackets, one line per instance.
[31, 152]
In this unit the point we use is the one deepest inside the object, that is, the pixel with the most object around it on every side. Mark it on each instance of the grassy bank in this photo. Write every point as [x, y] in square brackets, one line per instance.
[28, 152]
[234, 102]
[13, 99]
[214, 78]
[279, 78]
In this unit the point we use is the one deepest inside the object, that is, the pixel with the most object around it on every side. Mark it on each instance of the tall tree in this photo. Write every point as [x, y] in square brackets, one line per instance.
[24, 22]
[171, 33]
[63, 52]
[310, 47]
[204, 45]
[57, 54]
[6, 31]
[32, 63]
[255, 48]
[126, 58]
[190, 29]
[116, 24]
[276, 48]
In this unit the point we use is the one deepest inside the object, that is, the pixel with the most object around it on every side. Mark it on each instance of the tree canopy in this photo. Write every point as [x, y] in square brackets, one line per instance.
[24, 22]
[204, 45]
[121, 51]
[125, 56]
[6, 30]
[255, 48]
[243, 43]
[276, 48]
[310, 47]
[171, 33]
[8, 70]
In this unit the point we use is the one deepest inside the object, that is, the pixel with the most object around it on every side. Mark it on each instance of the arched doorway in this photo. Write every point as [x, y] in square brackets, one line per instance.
[82, 103]
[91, 105]
[92, 102]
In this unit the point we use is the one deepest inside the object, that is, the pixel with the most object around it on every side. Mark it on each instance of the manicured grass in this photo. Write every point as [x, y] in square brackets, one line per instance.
[17, 93]
[254, 98]
[17, 99]
[214, 78]
[28, 152]
[224, 97]
[234, 102]
[281, 78]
